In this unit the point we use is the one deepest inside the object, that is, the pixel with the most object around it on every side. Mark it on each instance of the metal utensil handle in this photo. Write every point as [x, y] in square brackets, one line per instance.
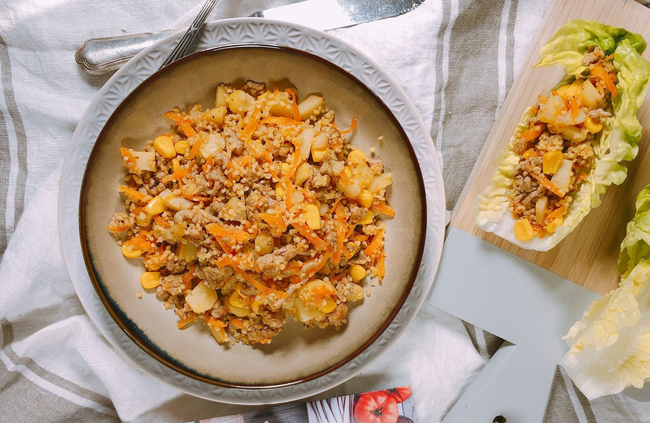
[184, 44]
[102, 55]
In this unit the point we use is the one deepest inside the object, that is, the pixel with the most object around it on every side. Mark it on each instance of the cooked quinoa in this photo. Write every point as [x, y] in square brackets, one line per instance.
[556, 154]
[253, 211]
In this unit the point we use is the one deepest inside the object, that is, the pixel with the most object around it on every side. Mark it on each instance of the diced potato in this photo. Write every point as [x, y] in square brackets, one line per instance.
[351, 190]
[363, 174]
[573, 133]
[551, 161]
[220, 97]
[212, 143]
[524, 230]
[320, 142]
[380, 182]
[281, 105]
[202, 298]
[309, 106]
[540, 208]
[303, 172]
[175, 202]
[305, 313]
[190, 251]
[554, 106]
[590, 95]
[318, 155]
[218, 333]
[215, 116]
[306, 137]
[562, 178]
[145, 160]
[314, 292]
[311, 216]
[356, 293]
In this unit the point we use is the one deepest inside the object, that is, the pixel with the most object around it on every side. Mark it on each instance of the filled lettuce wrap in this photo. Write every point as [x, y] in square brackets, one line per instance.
[568, 148]
[610, 345]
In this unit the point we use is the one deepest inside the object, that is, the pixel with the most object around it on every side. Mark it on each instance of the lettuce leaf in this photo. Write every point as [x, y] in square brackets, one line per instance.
[570, 43]
[610, 345]
[616, 143]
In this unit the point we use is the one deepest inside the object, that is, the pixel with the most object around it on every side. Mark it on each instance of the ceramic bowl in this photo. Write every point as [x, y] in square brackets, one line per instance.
[296, 355]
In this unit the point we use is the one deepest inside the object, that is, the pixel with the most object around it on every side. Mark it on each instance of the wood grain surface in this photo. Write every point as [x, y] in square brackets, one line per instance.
[589, 255]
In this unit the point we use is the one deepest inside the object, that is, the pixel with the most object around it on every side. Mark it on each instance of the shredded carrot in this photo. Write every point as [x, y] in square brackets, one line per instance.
[311, 236]
[184, 122]
[574, 105]
[318, 265]
[213, 322]
[195, 148]
[178, 175]
[276, 120]
[118, 229]
[128, 156]
[548, 184]
[224, 246]
[599, 72]
[347, 253]
[294, 105]
[237, 322]
[288, 199]
[188, 276]
[352, 126]
[360, 237]
[259, 285]
[374, 245]
[275, 221]
[542, 99]
[341, 228]
[236, 235]
[133, 194]
[251, 126]
[534, 132]
[383, 208]
[195, 198]
[336, 203]
[224, 261]
[381, 267]
[162, 221]
[559, 212]
[185, 322]
[207, 166]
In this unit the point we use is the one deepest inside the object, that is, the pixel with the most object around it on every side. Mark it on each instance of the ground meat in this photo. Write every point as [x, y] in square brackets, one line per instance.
[273, 263]
[599, 114]
[592, 56]
[173, 284]
[254, 88]
[214, 276]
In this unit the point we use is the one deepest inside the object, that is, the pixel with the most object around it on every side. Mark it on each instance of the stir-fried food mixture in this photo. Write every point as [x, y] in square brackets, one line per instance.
[556, 153]
[253, 211]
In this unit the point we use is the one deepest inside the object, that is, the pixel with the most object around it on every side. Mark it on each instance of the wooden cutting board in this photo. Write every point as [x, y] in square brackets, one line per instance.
[589, 255]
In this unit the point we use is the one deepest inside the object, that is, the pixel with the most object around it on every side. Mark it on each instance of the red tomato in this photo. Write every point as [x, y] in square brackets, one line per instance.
[376, 407]
[400, 394]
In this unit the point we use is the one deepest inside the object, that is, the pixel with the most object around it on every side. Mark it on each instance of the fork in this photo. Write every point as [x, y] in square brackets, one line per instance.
[184, 44]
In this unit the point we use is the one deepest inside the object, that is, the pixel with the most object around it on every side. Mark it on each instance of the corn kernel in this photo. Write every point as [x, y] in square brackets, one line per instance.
[312, 216]
[303, 172]
[551, 161]
[256, 305]
[264, 243]
[182, 147]
[279, 191]
[130, 252]
[555, 223]
[318, 154]
[150, 280]
[523, 230]
[165, 146]
[367, 219]
[155, 206]
[329, 306]
[176, 165]
[285, 167]
[592, 126]
[529, 153]
[366, 198]
[142, 219]
[357, 272]
[237, 300]
[237, 311]
[355, 157]
[347, 172]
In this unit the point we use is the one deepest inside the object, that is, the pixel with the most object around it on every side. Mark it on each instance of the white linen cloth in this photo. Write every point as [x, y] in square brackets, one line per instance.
[456, 59]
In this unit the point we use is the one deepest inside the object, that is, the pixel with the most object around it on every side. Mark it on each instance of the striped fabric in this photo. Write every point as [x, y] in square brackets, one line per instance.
[455, 58]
